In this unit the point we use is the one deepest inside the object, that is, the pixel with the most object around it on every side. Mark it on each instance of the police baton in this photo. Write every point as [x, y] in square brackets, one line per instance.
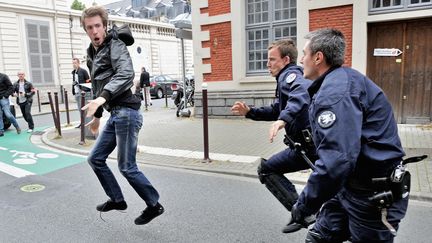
[298, 148]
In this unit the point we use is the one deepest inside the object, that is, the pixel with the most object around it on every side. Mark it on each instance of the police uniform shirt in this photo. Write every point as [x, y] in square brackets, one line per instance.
[291, 102]
[354, 131]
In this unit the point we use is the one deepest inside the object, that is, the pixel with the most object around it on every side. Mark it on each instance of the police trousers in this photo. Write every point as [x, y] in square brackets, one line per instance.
[288, 161]
[350, 215]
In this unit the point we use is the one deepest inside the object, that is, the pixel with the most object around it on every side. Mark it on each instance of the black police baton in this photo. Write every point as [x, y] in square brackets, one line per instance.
[298, 148]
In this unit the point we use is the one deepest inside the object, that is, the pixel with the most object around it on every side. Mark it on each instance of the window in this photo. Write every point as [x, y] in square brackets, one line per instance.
[385, 6]
[385, 3]
[39, 51]
[419, 2]
[267, 21]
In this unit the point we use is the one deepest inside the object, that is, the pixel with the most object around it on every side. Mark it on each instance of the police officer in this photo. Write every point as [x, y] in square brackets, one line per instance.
[356, 136]
[289, 111]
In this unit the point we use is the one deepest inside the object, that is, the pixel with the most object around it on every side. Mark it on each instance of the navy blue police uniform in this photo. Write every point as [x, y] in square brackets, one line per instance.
[356, 138]
[290, 105]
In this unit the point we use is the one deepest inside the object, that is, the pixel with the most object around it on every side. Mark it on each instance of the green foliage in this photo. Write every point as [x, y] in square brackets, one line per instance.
[77, 5]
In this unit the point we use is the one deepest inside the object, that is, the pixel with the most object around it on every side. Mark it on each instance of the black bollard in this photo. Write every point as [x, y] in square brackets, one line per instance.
[165, 95]
[61, 94]
[67, 107]
[145, 97]
[205, 122]
[82, 114]
[52, 110]
[38, 100]
[56, 101]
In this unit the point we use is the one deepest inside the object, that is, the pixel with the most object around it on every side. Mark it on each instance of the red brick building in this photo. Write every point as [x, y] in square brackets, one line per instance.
[231, 37]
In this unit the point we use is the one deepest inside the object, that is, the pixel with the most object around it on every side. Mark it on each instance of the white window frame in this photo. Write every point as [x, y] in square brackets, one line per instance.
[405, 5]
[256, 48]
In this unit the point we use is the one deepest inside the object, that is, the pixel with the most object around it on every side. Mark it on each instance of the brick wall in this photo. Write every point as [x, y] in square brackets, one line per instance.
[335, 17]
[220, 51]
[217, 7]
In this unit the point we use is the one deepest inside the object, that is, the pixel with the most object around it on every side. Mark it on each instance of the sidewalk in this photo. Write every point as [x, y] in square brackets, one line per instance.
[235, 145]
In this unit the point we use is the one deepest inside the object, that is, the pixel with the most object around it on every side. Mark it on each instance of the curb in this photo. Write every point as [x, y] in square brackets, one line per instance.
[418, 196]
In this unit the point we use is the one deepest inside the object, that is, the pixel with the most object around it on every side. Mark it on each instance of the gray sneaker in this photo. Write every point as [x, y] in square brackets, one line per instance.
[18, 130]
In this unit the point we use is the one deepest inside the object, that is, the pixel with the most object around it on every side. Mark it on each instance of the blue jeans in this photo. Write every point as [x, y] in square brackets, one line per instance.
[121, 130]
[5, 107]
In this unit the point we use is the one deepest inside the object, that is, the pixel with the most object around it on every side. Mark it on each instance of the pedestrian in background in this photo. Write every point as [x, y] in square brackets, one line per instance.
[290, 111]
[6, 90]
[358, 145]
[79, 76]
[145, 84]
[109, 59]
[24, 92]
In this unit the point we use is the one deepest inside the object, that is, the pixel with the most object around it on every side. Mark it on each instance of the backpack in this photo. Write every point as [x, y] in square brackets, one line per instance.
[123, 33]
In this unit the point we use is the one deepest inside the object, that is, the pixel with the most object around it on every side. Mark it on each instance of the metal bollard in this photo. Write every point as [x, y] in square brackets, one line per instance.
[205, 123]
[61, 94]
[57, 113]
[38, 100]
[67, 107]
[145, 97]
[166, 96]
[52, 110]
[82, 114]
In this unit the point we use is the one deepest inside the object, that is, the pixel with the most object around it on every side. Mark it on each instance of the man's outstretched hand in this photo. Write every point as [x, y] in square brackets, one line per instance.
[93, 105]
[240, 108]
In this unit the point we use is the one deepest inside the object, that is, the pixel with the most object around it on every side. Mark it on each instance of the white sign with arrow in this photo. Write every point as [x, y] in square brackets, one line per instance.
[387, 52]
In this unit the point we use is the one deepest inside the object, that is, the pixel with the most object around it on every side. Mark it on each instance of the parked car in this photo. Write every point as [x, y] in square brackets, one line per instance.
[160, 85]
[6, 121]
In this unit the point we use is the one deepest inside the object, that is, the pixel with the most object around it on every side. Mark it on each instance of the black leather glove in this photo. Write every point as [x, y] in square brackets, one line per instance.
[300, 217]
[297, 214]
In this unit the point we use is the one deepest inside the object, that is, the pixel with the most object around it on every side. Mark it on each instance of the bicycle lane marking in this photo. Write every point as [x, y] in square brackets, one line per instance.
[20, 157]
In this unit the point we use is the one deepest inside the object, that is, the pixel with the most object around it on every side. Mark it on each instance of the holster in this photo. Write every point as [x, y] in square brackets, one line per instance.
[306, 141]
[385, 190]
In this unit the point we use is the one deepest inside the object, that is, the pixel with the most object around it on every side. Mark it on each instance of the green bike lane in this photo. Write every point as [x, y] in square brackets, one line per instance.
[19, 157]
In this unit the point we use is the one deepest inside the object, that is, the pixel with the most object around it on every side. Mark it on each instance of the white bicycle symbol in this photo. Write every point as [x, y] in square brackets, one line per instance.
[28, 158]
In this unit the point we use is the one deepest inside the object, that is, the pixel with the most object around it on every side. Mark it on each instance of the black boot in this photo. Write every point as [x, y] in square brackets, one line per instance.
[149, 214]
[111, 205]
[292, 226]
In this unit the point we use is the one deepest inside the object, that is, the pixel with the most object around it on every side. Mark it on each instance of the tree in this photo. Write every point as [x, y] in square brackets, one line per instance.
[77, 5]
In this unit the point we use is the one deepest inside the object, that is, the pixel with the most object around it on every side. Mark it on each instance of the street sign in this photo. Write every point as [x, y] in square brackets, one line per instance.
[387, 52]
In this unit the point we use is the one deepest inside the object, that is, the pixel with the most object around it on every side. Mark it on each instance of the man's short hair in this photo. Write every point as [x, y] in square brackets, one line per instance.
[286, 47]
[331, 42]
[95, 11]
[76, 59]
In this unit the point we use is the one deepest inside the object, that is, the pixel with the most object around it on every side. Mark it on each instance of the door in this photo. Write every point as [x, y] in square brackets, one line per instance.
[418, 72]
[385, 71]
[406, 79]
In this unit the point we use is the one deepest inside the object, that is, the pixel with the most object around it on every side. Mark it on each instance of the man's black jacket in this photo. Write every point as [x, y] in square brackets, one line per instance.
[6, 87]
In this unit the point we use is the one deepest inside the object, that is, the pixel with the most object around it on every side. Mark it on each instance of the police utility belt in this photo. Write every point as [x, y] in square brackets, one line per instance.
[301, 148]
[387, 190]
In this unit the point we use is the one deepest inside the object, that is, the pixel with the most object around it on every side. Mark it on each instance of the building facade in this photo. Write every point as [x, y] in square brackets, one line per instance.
[41, 37]
[386, 40]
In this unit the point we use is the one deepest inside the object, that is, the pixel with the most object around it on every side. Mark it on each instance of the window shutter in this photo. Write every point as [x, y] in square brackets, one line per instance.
[39, 52]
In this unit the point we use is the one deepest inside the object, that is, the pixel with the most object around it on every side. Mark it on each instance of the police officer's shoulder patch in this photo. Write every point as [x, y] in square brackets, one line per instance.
[290, 78]
[326, 119]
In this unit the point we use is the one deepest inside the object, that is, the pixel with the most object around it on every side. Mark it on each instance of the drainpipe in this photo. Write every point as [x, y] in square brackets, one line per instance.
[55, 42]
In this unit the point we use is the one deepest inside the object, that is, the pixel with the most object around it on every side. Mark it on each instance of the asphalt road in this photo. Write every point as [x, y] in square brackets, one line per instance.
[200, 207]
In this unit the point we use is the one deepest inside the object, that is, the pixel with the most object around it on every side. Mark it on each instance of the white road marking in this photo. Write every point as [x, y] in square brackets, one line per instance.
[14, 171]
